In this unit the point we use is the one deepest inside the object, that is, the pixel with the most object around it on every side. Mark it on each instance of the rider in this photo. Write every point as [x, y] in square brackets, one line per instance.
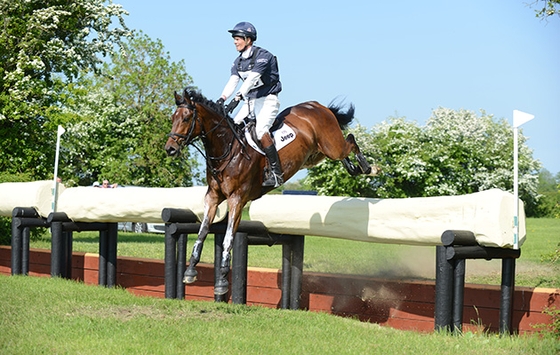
[258, 69]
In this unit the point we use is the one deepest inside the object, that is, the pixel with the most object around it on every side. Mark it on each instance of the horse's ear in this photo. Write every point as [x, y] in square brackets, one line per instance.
[187, 97]
[179, 100]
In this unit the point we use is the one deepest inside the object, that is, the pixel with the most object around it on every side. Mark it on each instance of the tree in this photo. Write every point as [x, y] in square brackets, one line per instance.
[125, 117]
[456, 152]
[549, 195]
[43, 46]
[546, 8]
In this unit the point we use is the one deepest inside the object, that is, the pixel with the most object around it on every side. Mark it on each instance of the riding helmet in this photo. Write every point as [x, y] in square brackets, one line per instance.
[244, 29]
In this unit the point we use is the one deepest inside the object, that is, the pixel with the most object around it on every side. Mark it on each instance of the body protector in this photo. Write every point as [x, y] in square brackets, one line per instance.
[258, 69]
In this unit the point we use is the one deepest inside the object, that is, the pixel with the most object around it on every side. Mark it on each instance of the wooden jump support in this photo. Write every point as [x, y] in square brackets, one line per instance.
[179, 223]
[457, 247]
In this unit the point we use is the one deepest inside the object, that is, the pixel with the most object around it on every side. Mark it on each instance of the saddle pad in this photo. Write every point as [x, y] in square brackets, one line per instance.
[282, 137]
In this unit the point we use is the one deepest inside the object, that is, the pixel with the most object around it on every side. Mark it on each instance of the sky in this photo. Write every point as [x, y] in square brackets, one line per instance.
[390, 59]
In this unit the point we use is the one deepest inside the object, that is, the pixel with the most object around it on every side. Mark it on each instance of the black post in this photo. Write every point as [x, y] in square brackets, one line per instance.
[297, 271]
[103, 251]
[458, 294]
[181, 265]
[286, 274]
[112, 240]
[239, 269]
[67, 236]
[506, 302]
[57, 249]
[218, 249]
[26, 234]
[170, 259]
[444, 290]
[17, 246]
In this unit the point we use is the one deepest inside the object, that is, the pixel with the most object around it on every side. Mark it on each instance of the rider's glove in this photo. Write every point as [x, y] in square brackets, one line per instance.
[238, 97]
[220, 101]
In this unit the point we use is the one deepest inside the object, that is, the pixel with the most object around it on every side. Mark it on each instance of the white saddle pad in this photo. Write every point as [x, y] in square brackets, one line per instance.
[282, 137]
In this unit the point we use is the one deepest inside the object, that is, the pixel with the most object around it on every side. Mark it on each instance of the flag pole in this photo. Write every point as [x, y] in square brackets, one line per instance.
[519, 118]
[60, 132]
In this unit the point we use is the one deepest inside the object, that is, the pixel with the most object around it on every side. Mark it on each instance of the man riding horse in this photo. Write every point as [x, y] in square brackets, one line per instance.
[315, 132]
[258, 69]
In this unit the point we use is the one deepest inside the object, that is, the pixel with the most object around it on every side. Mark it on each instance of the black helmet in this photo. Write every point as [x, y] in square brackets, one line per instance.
[244, 29]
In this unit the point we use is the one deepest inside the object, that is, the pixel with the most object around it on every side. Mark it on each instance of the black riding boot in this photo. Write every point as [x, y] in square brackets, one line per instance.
[275, 178]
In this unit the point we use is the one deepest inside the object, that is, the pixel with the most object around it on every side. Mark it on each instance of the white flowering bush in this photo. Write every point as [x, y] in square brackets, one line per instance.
[124, 117]
[44, 45]
[456, 152]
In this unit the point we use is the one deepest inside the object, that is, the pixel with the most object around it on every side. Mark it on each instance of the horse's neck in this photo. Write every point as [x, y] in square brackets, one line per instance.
[219, 137]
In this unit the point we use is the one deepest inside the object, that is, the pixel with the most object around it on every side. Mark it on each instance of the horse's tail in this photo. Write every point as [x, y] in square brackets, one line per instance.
[344, 118]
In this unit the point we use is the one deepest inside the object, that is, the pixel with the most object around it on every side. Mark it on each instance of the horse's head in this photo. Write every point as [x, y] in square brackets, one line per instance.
[186, 125]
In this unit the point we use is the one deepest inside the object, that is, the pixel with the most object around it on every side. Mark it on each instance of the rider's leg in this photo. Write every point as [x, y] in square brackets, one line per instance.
[266, 110]
[242, 113]
[275, 179]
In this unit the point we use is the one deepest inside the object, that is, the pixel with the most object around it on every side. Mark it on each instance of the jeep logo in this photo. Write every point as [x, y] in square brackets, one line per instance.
[286, 137]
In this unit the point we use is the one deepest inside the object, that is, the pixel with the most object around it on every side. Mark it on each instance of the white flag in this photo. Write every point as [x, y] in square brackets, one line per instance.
[520, 118]
[61, 130]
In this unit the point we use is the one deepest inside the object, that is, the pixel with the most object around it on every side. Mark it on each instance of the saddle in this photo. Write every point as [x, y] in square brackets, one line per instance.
[250, 128]
[281, 134]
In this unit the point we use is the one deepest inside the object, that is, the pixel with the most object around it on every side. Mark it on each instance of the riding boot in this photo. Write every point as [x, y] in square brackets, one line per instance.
[275, 178]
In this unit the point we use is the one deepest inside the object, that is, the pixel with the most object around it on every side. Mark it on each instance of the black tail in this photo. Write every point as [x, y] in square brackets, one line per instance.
[344, 118]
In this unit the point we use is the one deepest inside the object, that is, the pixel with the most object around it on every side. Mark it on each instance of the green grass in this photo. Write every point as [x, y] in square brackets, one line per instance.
[57, 316]
[351, 257]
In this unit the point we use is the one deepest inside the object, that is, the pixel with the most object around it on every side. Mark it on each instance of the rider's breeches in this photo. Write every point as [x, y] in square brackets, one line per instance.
[265, 110]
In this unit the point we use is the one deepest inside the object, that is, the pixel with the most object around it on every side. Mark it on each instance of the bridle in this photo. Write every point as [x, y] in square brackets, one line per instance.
[181, 139]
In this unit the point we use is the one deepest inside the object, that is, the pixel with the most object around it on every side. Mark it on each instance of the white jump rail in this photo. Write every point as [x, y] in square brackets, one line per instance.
[89, 204]
[413, 221]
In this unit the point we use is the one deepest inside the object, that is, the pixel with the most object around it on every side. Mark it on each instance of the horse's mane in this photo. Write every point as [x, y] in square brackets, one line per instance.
[197, 97]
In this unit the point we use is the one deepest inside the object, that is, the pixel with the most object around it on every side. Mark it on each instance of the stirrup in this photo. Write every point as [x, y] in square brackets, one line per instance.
[273, 181]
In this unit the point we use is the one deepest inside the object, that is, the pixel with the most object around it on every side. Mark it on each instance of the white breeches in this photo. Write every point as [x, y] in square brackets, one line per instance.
[265, 110]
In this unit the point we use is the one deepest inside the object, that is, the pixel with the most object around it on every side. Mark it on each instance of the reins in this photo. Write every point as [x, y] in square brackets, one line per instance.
[204, 138]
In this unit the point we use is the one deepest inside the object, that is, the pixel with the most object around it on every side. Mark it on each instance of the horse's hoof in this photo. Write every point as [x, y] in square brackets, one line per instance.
[190, 276]
[374, 171]
[221, 287]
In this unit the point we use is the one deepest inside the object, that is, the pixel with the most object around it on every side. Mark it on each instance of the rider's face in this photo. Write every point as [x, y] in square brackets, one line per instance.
[241, 43]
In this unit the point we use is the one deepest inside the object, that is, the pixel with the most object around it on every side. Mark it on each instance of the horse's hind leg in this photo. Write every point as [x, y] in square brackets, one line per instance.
[364, 167]
[352, 169]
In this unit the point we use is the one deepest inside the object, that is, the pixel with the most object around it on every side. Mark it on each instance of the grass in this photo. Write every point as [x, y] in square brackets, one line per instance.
[332, 255]
[57, 316]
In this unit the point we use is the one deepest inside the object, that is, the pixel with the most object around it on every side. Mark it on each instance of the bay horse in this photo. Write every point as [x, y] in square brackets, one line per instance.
[236, 171]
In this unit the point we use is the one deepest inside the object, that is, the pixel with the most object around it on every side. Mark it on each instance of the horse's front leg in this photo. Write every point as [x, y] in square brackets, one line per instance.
[209, 214]
[222, 285]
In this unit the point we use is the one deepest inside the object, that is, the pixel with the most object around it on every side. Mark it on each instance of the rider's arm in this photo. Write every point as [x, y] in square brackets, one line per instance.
[230, 87]
[248, 84]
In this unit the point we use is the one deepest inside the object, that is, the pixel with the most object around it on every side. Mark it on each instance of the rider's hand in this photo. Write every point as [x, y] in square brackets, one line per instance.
[220, 101]
[238, 97]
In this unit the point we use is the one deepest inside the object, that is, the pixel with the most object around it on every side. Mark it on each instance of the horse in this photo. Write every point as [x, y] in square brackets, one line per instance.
[235, 171]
